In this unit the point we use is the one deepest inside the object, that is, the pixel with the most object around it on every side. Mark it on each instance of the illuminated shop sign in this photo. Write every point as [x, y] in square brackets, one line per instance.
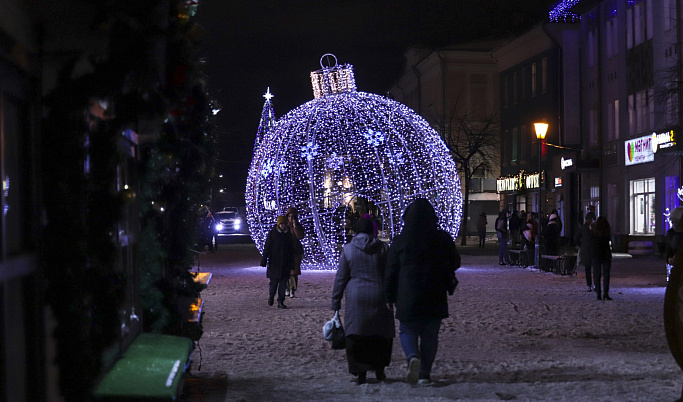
[515, 183]
[663, 140]
[639, 150]
[558, 182]
[565, 163]
[507, 184]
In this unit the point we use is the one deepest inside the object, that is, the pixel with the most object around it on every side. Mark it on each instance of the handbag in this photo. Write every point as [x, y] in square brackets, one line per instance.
[333, 331]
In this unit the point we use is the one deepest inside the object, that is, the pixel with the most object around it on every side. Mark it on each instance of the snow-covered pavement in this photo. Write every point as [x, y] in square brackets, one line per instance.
[513, 334]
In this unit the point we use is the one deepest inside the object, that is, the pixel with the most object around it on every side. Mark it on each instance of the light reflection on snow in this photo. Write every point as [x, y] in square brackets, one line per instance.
[263, 269]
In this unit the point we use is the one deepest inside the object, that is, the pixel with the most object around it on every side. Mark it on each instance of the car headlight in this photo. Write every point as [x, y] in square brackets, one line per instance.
[219, 227]
[238, 222]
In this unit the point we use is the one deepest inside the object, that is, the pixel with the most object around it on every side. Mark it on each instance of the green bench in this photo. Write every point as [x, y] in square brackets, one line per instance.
[150, 370]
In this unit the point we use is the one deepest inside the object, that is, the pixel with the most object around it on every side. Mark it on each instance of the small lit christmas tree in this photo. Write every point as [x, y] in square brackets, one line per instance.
[267, 118]
[344, 154]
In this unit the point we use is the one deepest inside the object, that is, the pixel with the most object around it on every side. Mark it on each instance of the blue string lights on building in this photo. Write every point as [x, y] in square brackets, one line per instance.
[561, 11]
[345, 154]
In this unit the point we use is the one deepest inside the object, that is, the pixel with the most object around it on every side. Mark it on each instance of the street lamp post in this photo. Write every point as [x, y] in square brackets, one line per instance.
[541, 130]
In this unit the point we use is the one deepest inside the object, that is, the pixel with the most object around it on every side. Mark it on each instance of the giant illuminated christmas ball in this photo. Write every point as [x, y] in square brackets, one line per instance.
[342, 155]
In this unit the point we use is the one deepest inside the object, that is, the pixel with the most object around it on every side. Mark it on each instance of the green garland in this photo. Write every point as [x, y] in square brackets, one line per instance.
[79, 251]
[174, 186]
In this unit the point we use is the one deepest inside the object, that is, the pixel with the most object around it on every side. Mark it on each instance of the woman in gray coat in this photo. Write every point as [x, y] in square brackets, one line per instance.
[369, 324]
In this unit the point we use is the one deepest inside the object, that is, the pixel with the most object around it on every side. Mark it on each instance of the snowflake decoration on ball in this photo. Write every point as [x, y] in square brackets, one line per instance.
[342, 155]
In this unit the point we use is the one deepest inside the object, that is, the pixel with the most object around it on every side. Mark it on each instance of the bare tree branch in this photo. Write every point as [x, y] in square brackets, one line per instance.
[474, 143]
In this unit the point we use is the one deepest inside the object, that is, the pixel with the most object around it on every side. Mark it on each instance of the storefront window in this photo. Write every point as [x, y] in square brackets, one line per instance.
[643, 206]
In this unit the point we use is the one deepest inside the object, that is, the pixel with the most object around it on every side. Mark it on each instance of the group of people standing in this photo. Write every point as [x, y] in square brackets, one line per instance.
[592, 239]
[520, 229]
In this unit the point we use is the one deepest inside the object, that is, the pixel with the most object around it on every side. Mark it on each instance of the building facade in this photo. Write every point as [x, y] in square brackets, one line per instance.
[629, 64]
[537, 84]
[450, 86]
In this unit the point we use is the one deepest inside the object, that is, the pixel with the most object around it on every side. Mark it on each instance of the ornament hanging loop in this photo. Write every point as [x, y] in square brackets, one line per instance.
[325, 59]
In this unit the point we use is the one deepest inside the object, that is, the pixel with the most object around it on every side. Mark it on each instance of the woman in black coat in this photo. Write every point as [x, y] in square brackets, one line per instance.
[584, 240]
[551, 234]
[420, 264]
[278, 256]
[601, 257]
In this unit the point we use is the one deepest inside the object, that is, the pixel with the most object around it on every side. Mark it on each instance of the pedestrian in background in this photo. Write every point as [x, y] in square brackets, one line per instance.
[601, 257]
[421, 264]
[514, 224]
[208, 232]
[502, 233]
[551, 234]
[529, 233]
[481, 229]
[375, 229]
[584, 241]
[369, 323]
[278, 256]
[673, 238]
[557, 218]
[297, 234]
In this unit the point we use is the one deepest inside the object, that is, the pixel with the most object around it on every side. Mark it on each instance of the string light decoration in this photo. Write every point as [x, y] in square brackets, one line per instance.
[267, 118]
[561, 11]
[341, 155]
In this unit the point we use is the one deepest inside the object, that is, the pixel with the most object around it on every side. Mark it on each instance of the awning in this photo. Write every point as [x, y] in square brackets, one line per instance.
[483, 197]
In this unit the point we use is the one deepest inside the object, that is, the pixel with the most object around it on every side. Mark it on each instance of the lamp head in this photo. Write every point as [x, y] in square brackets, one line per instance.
[541, 130]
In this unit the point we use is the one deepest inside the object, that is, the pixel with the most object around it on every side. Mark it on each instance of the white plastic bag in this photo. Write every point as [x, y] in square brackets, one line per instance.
[327, 328]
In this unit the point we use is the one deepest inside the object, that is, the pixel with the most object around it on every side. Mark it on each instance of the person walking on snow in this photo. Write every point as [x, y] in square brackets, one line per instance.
[421, 265]
[369, 322]
[601, 257]
[584, 241]
[481, 229]
[278, 256]
[502, 233]
[297, 234]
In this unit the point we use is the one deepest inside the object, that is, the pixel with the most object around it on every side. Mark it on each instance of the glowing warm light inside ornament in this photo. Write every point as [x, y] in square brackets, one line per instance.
[342, 155]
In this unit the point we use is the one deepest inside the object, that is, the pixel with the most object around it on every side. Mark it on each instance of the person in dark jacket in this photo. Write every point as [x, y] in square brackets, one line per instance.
[551, 234]
[601, 258]
[208, 232]
[528, 229]
[481, 229]
[278, 256]
[584, 241]
[673, 238]
[369, 325]
[502, 233]
[514, 223]
[297, 234]
[557, 218]
[421, 263]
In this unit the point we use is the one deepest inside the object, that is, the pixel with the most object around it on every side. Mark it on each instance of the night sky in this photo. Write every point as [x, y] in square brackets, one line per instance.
[249, 46]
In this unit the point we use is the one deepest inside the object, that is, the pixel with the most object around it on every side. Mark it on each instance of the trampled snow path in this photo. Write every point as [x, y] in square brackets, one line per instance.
[513, 334]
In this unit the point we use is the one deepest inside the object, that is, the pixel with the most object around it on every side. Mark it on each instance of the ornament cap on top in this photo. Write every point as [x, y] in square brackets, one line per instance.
[332, 79]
